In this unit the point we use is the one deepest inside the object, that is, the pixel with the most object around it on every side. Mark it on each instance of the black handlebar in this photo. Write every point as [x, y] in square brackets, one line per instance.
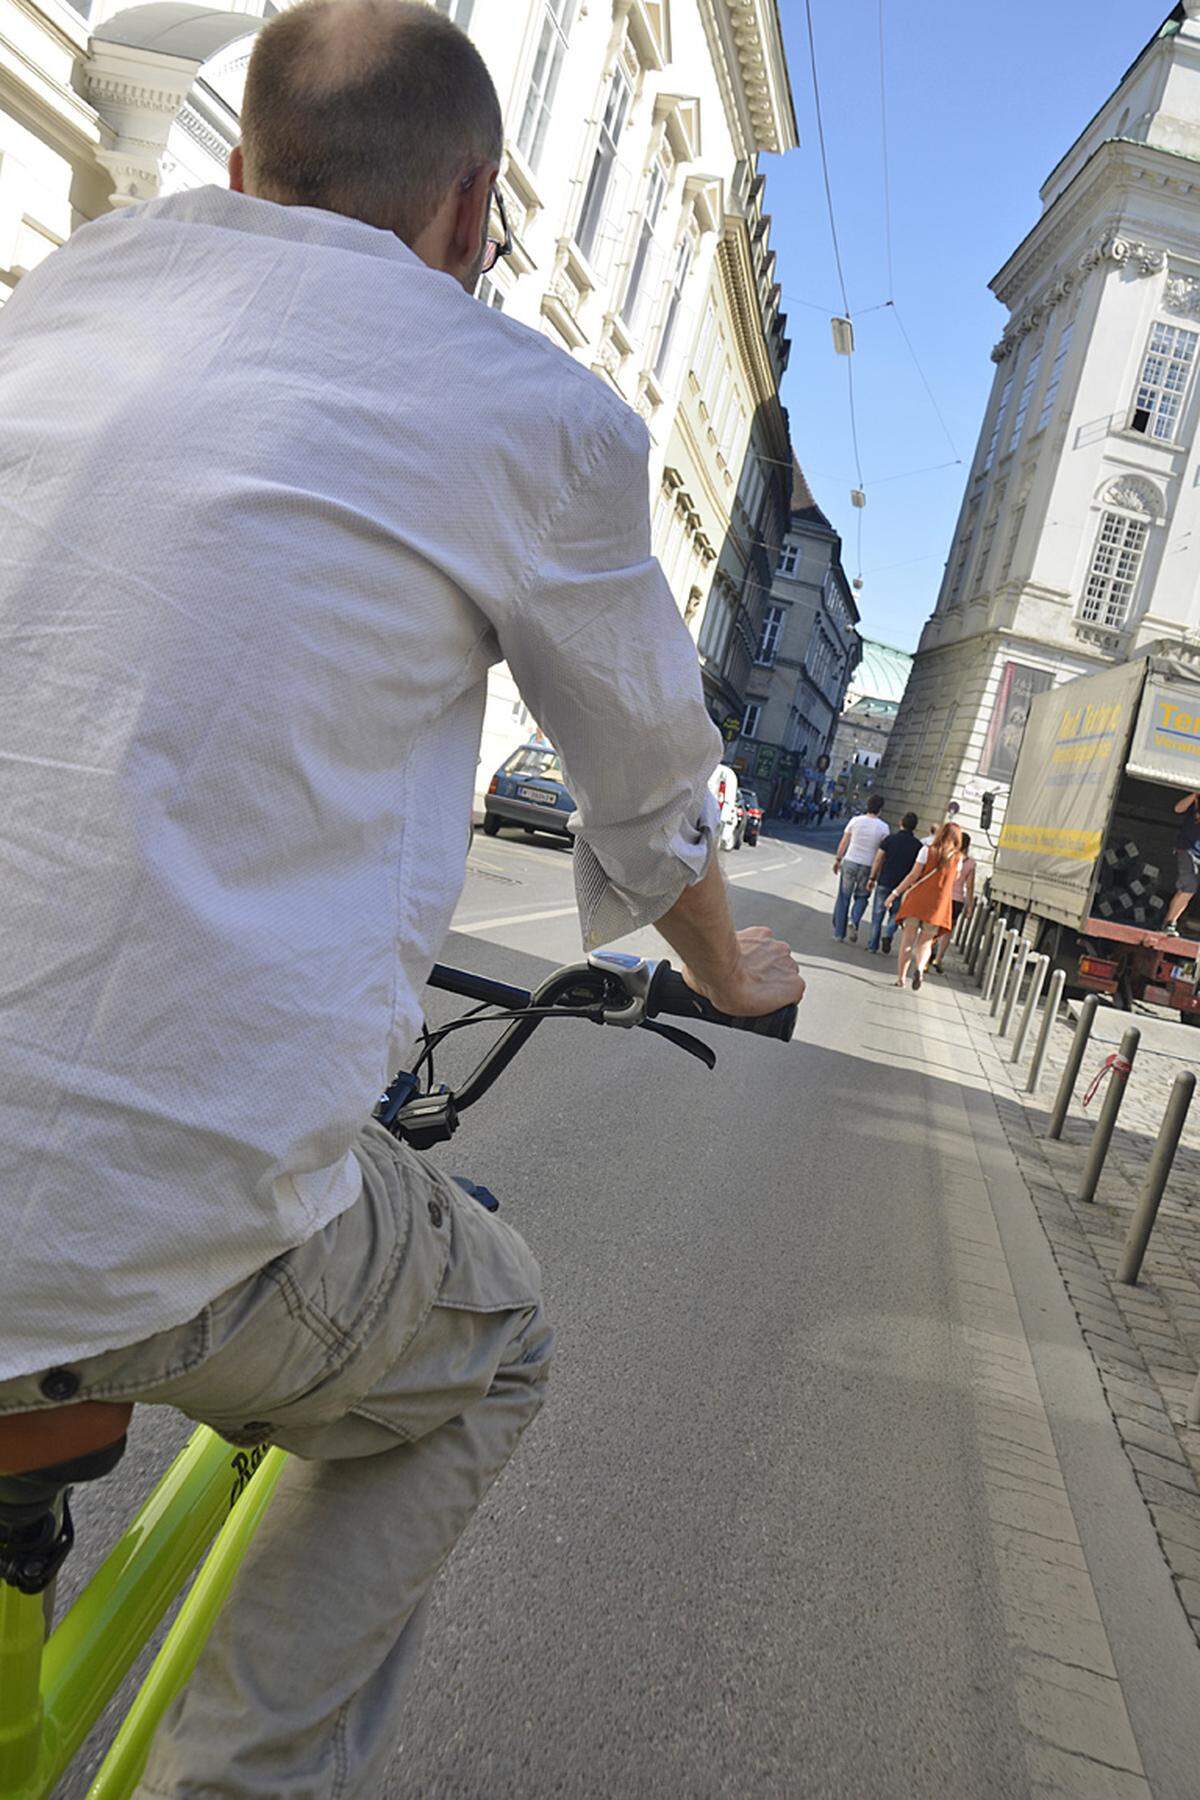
[670, 994]
[609, 989]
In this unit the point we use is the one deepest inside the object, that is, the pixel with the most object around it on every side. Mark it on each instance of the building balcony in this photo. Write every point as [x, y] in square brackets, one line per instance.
[1112, 642]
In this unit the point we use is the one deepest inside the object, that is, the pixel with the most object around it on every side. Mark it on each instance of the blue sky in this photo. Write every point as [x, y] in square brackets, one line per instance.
[982, 100]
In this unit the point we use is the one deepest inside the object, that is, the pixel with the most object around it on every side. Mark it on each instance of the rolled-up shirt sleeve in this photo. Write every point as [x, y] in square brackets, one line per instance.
[608, 668]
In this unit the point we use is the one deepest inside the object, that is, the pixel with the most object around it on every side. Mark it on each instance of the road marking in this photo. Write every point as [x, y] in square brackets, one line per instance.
[525, 918]
[562, 912]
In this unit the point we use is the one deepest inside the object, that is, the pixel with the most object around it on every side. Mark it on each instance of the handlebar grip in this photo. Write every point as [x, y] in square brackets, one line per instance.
[672, 995]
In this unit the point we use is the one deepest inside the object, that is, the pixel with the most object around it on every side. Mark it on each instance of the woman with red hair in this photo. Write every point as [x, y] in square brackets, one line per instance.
[927, 907]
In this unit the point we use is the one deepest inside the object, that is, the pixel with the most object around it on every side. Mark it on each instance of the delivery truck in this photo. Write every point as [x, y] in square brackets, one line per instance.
[1088, 847]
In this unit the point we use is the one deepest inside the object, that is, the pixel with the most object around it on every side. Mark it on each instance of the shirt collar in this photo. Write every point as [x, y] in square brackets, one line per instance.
[222, 209]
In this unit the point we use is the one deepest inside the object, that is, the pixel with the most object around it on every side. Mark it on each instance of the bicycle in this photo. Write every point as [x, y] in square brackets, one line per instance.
[55, 1682]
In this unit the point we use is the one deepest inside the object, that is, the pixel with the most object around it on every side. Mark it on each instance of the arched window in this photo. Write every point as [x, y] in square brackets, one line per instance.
[1130, 507]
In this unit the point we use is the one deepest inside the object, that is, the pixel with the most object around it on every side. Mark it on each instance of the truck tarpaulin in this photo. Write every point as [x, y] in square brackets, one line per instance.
[1166, 743]
[1071, 763]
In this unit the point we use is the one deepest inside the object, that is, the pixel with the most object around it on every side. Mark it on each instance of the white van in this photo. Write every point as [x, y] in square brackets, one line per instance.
[723, 785]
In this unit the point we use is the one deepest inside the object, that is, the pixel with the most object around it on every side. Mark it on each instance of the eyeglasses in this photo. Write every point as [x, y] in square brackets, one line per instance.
[498, 243]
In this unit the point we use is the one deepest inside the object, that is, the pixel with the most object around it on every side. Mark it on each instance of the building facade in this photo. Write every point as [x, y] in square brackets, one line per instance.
[740, 355]
[806, 649]
[1078, 541]
[630, 181]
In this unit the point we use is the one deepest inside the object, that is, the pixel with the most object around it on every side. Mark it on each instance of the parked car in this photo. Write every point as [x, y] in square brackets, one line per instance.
[752, 815]
[528, 790]
[724, 789]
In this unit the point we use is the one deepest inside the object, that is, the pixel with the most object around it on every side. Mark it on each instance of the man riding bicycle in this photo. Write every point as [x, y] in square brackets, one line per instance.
[276, 492]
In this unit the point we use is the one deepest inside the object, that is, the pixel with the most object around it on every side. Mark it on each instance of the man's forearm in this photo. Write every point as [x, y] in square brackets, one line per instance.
[699, 928]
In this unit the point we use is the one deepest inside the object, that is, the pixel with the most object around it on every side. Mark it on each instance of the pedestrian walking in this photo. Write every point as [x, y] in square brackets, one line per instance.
[893, 860]
[927, 901]
[1187, 857]
[964, 895]
[852, 864]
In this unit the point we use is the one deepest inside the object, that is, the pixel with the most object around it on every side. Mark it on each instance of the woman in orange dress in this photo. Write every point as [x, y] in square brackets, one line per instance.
[927, 907]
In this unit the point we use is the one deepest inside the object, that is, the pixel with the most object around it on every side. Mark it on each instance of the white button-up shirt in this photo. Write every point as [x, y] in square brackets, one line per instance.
[273, 497]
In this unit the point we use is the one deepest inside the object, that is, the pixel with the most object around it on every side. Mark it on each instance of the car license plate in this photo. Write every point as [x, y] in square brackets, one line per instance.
[538, 794]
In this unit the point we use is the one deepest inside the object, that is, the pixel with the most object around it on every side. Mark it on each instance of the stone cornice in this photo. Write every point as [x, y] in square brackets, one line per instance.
[746, 45]
[1104, 190]
[62, 116]
[741, 297]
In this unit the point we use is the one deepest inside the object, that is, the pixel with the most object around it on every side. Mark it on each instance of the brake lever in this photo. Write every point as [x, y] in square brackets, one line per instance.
[683, 1040]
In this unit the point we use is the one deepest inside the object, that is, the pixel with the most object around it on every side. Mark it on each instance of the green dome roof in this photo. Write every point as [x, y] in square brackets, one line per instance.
[881, 675]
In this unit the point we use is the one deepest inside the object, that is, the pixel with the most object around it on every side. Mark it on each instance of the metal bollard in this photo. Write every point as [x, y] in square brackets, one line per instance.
[996, 927]
[1002, 971]
[1008, 954]
[983, 948]
[986, 969]
[1058, 982]
[1070, 1075]
[1037, 982]
[994, 960]
[1020, 958]
[977, 923]
[1162, 1156]
[962, 929]
[1105, 1124]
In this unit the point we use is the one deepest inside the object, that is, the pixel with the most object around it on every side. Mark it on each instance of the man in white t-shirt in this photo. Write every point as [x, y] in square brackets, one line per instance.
[852, 865]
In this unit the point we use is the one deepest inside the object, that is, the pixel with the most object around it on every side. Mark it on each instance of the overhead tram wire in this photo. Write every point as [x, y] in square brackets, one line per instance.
[925, 381]
[837, 257]
[883, 140]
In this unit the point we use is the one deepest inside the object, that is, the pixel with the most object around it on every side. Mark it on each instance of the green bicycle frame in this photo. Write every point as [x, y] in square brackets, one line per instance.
[53, 1690]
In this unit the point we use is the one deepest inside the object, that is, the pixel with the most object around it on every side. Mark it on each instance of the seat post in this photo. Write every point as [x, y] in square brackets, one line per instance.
[22, 1636]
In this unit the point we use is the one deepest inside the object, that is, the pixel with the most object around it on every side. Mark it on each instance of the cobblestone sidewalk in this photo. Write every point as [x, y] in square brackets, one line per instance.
[1145, 1339]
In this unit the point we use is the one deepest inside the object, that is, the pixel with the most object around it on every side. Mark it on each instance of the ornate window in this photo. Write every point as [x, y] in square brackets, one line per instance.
[1117, 558]
[1010, 548]
[1027, 387]
[750, 718]
[788, 557]
[768, 642]
[965, 546]
[1054, 379]
[1165, 373]
[986, 539]
[683, 264]
[616, 111]
[553, 33]
[997, 426]
[636, 293]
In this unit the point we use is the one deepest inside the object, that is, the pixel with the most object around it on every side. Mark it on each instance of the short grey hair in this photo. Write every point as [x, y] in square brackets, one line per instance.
[371, 108]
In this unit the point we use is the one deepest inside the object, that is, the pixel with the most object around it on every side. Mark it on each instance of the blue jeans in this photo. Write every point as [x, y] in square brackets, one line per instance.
[883, 922]
[851, 902]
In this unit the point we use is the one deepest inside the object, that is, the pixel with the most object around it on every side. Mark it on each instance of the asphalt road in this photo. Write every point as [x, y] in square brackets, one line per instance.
[744, 1551]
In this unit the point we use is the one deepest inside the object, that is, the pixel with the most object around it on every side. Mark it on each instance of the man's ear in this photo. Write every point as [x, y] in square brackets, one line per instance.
[471, 215]
[237, 171]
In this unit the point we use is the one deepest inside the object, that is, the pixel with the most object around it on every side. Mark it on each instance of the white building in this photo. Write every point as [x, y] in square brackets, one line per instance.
[1079, 535]
[634, 128]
